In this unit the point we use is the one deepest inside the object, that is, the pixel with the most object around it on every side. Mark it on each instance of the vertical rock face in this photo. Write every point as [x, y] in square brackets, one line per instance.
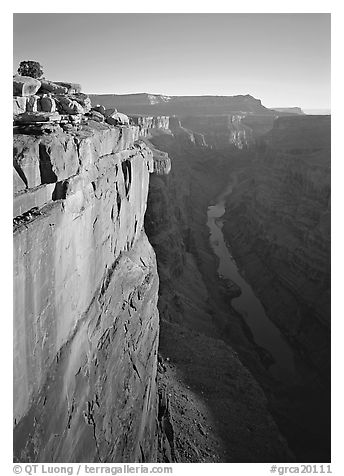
[147, 124]
[220, 132]
[85, 284]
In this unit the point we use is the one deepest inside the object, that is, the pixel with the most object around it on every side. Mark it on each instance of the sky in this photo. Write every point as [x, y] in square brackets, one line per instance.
[282, 59]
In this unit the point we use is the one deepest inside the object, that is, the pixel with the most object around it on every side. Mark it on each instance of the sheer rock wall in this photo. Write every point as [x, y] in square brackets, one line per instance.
[86, 289]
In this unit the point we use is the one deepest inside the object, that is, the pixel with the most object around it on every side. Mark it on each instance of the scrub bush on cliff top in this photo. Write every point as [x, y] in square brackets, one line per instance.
[30, 68]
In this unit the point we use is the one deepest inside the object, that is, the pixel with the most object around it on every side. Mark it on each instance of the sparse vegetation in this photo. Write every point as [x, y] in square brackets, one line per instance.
[30, 68]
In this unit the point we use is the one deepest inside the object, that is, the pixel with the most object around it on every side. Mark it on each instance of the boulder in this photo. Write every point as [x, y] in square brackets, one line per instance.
[96, 116]
[25, 86]
[109, 112]
[69, 106]
[47, 104]
[19, 104]
[99, 108]
[32, 104]
[83, 100]
[117, 119]
[75, 118]
[72, 88]
[50, 87]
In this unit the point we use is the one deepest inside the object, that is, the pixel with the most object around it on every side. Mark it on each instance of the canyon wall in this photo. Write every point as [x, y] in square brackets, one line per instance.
[278, 225]
[86, 288]
[279, 216]
[157, 104]
[98, 377]
[208, 414]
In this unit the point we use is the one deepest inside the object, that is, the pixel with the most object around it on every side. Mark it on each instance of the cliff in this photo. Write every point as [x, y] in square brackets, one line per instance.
[288, 110]
[86, 288]
[282, 189]
[119, 356]
[278, 224]
[217, 122]
[210, 396]
[287, 197]
[157, 104]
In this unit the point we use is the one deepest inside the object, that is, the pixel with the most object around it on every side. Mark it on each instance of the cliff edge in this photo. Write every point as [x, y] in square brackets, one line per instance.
[86, 289]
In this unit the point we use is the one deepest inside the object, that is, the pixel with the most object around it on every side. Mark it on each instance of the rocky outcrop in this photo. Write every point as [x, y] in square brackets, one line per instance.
[25, 85]
[50, 87]
[151, 124]
[31, 95]
[85, 284]
[116, 118]
[220, 132]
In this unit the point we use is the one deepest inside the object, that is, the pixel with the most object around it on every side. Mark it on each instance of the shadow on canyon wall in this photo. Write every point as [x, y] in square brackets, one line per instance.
[200, 330]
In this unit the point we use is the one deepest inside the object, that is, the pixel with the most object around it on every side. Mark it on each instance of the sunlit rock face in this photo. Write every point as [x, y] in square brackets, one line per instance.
[151, 124]
[280, 216]
[220, 132]
[86, 289]
[217, 122]
[156, 105]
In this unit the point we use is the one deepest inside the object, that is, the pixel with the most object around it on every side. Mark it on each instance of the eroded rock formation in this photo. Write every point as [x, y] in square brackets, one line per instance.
[281, 214]
[86, 288]
[278, 224]
[89, 383]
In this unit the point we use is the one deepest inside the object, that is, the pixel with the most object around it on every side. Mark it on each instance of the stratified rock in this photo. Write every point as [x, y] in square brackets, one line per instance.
[161, 160]
[37, 128]
[69, 106]
[218, 131]
[31, 117]
[117, 119]
[160, 105]
[47, 104]
[278, 222]
[86, 287]
[151, 124]
[19, 105]
[50, 87]
[25, 86]
[72, 88]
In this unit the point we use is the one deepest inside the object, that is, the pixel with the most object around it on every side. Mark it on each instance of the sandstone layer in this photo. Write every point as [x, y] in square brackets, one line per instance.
[157, 104]
[89, 384]
[85, 283]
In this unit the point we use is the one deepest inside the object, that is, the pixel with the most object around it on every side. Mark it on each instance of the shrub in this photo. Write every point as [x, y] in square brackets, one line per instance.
[30, 68]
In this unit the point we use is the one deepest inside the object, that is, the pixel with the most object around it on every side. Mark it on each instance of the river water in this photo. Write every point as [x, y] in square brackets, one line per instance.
[264, 331]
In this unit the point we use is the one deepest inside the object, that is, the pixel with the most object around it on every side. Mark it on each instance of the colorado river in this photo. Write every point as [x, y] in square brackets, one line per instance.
[265, 333]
